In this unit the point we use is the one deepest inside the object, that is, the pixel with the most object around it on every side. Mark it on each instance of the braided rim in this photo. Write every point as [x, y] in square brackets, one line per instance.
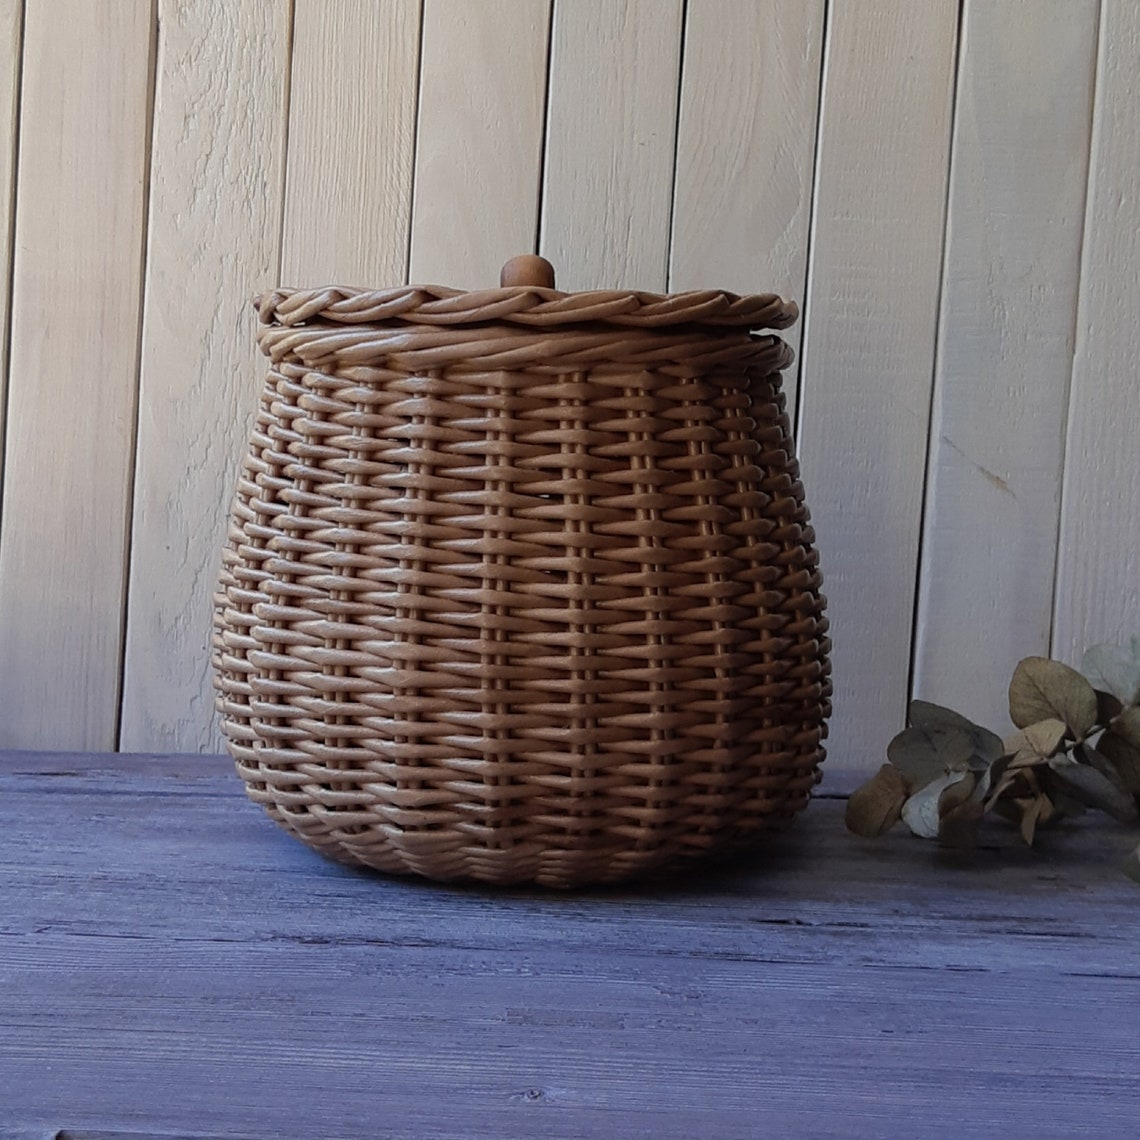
[541, 308]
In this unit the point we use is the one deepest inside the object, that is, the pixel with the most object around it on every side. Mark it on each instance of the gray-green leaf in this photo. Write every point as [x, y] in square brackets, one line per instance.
[1085, 784]
[1107, 767]
[1122, 748]
[923, 754]
[925, 714]
[920, 812]
[1115, 669]
[1042, 689]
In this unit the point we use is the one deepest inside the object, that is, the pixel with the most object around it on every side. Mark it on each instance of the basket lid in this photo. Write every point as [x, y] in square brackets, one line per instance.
[526, 296]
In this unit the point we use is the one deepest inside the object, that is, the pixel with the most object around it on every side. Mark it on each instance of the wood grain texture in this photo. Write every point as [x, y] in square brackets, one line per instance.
[158, 937]
[215, 217]
[611, 135]
[351, 142]
[1007, 325]
[746, 149]
[869, 342]
[479, 138]
[11, 31]
[73, 372]
[1098, 569]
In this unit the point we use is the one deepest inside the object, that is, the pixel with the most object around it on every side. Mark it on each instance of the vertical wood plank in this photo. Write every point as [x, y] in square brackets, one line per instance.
[1098, 571]
[215, 216]
[479, 138]
[72, 383]
[610, 142]
[869, 342]
[351, 142]
[11, 27]
[1019, 171]
[746, 149]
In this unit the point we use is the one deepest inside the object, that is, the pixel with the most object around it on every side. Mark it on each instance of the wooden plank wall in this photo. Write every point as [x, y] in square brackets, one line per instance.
[945, 187]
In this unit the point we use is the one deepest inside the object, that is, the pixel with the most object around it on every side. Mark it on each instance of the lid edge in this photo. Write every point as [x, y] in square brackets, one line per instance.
[526, 305]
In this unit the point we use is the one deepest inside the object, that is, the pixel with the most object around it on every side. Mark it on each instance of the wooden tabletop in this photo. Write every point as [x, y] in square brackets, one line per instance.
[172, 963]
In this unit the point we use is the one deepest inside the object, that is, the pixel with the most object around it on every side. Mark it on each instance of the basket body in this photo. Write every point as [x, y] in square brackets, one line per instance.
[513, 600]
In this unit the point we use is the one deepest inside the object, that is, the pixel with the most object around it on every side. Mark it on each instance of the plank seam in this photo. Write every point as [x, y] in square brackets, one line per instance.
[416, 112]
[132, 461]
[540, 214]
[676, 145]
[538, 201]
[1095, 121]
[796, 413]
[17, 113]
[290, 58]
[936, 385]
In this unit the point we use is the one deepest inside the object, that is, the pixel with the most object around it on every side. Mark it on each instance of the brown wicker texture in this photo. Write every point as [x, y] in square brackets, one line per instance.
[520, 585]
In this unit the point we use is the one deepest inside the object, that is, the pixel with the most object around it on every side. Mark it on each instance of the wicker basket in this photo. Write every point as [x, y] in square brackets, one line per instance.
[519, 584]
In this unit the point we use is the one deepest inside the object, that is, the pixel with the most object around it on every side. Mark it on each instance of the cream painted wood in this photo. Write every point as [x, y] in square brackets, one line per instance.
[73, 378]
[215, 217]
[1098, 569]
[746, 149]
[736, 204]
[479, 138]
[870, 335]
[1019, 171]
[11, 26]
[1006, 349]
[351, 142]
[610, 142]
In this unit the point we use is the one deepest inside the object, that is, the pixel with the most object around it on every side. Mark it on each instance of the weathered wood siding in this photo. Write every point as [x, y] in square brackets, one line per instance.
[944, 187]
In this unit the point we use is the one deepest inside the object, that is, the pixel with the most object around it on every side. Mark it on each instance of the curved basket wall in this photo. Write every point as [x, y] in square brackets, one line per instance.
[519, 585]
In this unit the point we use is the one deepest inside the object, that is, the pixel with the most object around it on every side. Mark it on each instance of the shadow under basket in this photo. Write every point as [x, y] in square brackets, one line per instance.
[519, 585]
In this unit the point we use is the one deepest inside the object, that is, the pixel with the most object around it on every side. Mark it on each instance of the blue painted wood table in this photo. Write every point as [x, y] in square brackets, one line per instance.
[173, 964]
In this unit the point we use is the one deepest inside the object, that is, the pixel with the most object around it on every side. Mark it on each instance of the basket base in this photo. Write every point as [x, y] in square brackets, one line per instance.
[449, 856]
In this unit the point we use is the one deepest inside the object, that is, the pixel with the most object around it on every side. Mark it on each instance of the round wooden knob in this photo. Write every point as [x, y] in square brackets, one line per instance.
[528, 269]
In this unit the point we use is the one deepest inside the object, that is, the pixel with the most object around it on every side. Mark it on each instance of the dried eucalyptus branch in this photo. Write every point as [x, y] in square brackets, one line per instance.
[1077, 747]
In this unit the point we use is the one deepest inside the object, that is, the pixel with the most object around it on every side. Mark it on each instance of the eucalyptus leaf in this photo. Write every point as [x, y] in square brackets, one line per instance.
[957, 793]
[960, 810]
[920, 812]
[991, 778]
[1087, 754]
[923, 754]
[876, 806]
[1031, 812]
[1041, 739]
[987, 745]
[926, 714]
[1085, 784]
[1021, 754]
[1042, 689]
[1007, 783]
[1049, 812]
[1008, 809]
[1045, 736]
[1107, 707]
[1064, 804]
[958, 828]
[1127, 725]
[1115, 669]
[1124, 757]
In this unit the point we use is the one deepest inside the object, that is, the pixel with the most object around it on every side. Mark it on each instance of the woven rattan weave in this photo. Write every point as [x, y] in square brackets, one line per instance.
[519, 585]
